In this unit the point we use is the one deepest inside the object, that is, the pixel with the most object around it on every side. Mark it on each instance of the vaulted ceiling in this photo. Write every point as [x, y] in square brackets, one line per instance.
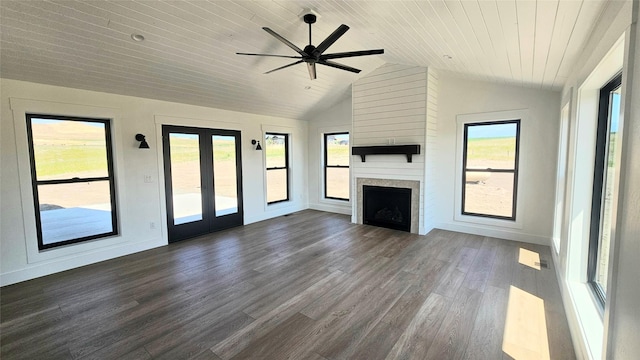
[188, 54]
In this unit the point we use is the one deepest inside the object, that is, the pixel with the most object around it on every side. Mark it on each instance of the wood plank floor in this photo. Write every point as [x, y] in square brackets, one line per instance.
[306, 286]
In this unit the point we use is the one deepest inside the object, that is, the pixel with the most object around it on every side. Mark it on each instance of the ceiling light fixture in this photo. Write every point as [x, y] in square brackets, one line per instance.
[137, 37]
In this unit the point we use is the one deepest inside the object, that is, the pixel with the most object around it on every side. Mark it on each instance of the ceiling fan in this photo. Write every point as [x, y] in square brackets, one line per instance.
[313, 55]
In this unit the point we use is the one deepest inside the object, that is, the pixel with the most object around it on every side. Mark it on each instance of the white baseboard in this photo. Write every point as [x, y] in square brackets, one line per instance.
[338, 209]
[280, 211]
[424, 230]
[496, 233]
[55, 266]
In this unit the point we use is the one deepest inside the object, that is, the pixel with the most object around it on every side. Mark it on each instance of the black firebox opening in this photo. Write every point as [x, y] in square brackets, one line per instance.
[387, 207]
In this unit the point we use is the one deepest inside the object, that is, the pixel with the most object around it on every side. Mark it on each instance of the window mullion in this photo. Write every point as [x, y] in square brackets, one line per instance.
[72, 180]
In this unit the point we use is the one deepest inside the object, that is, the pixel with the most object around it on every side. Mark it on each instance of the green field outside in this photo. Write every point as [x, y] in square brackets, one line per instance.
[184, 149]
[72, 158]
[55, 160]
[491, 149]
[338, 154]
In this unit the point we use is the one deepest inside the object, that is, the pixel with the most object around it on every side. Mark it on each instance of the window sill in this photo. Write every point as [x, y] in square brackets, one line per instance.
[278, 205]
[335, 201]
[479, 220]
[589, 318]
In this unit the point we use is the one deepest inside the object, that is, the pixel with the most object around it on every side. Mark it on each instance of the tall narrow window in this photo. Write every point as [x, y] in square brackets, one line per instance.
[277, 154]
[336, 166]
[490, 169]
[604, 183]
[73, 182]
[561, 179]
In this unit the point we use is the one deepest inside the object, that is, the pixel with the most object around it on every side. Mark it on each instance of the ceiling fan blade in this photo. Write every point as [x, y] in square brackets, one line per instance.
[280, 56]
[312, 70]
[331, 39]
[285, 41]
[282, 67]
[351, 53]
[339, 66]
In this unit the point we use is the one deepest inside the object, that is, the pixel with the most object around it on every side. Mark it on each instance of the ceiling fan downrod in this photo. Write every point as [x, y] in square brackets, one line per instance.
[309, 19]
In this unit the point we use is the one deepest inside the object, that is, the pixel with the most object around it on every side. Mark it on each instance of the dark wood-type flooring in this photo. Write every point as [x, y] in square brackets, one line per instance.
[306, 286]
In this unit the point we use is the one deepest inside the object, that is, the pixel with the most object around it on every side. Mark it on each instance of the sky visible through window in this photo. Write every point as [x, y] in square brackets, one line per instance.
[615, 110]
[491, 132]
[37, 121]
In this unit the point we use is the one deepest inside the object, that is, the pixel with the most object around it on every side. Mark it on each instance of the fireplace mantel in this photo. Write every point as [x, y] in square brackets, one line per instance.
[408, 150]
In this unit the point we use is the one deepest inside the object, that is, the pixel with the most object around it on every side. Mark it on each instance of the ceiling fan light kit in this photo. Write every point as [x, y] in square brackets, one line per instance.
[312, 55]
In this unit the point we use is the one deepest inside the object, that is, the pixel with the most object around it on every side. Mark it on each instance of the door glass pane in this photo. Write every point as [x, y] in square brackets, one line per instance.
[73, 211]
[185, 177]
[338, 183]
[610, 167]
[276, 185]
[491, 146]
[224, 174]
[489, 193]
[66, 149]
[338, 149]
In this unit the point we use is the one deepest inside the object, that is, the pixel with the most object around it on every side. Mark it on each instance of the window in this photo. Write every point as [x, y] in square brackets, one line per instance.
[73, 183]
[602, 206]
[561, 179]
[277, 153]
[490, 169]
[336, 166]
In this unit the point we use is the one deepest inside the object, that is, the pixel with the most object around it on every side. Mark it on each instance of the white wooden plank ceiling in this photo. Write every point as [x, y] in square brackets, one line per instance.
[188, 54]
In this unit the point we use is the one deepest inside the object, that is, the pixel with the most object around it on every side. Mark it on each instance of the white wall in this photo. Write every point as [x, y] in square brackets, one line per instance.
[623, 323]
[615, 337]
[139, 203]
[335, 119]
[538, 148]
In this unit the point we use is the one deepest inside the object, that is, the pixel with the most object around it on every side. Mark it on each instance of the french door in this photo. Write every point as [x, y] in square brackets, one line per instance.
[203, 180]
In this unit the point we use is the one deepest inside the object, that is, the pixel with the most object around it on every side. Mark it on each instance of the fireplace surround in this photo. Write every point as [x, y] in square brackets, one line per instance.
[413, 186]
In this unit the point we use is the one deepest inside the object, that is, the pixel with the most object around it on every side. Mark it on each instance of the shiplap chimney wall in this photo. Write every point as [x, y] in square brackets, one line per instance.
[397, 104]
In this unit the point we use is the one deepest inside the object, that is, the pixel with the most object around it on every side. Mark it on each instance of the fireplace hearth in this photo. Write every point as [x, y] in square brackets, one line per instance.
[388, 207]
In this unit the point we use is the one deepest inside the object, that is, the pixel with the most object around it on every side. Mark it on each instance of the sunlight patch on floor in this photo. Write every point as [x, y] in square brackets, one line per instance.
[529, 258]
[525, 332]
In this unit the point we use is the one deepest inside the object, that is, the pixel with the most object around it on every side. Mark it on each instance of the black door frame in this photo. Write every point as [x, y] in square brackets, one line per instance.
[210, 222]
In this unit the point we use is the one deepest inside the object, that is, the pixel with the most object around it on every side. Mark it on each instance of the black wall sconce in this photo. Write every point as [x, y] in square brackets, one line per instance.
[254, 142]
[143, 142]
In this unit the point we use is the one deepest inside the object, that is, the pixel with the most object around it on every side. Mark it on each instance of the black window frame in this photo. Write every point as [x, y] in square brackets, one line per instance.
[514, 171]
[327, 166]
[601, 154]
[35, 182]
[286, 163]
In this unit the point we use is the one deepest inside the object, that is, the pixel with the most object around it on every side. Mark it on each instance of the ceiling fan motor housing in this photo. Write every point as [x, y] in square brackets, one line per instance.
[309, 18]
[310, 50]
